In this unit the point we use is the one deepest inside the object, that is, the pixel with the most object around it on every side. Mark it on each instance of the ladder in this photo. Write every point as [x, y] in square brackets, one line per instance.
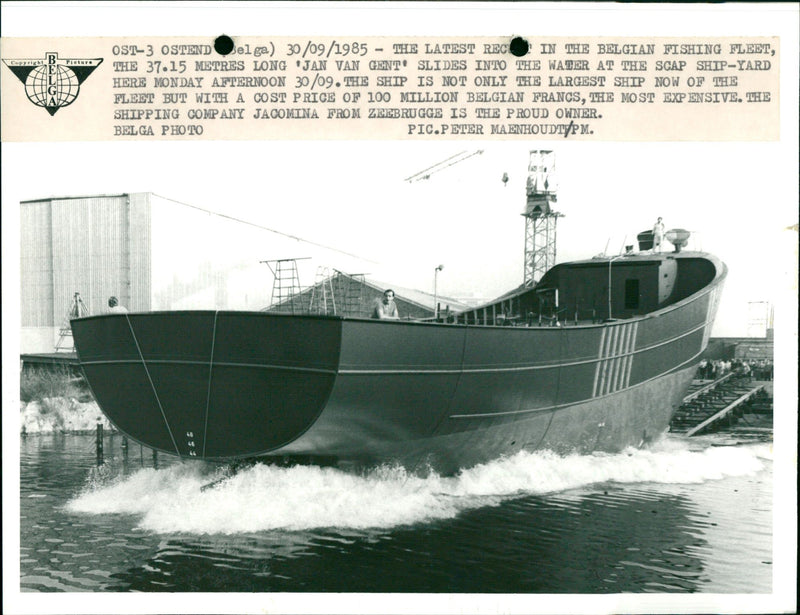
[322, 297]
[354, 296]
[286, 285]
[77, 309]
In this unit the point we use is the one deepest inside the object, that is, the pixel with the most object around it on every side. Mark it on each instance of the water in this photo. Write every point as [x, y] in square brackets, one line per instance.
[687, 516]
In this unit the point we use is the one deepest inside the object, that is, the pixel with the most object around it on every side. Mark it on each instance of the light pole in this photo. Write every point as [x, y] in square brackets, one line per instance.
[435, 291]
[611, 260]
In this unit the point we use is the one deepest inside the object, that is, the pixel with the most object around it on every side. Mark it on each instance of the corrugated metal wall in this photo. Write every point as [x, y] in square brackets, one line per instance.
[36, 265]
[140, 251]
[91, 240]
[96, 246]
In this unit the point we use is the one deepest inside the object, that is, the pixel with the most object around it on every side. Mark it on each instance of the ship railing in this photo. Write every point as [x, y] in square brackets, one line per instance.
[498, 315]
[530, 319]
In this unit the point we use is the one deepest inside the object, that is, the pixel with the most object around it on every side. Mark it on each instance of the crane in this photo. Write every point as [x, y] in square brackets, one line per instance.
[540, 218]
[440, 166]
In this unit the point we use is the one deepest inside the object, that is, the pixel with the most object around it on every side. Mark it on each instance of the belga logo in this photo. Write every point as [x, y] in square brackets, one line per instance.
[51, 82]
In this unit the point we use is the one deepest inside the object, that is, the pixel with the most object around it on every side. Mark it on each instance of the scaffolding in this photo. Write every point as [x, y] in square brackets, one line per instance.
[540, 218]
[353, 289]
[286, 285]
[759, 318]
[77, 309]
[322, 300]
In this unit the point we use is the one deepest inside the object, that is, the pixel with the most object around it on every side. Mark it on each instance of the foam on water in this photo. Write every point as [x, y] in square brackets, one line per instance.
[264, 497]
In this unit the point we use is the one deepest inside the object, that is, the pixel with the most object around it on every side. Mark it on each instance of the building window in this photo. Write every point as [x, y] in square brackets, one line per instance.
[631, 294]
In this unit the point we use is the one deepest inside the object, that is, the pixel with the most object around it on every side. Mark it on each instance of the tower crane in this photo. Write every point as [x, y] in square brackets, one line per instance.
[540, 217]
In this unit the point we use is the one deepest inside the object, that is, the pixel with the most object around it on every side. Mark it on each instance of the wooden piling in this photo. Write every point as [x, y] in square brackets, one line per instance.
[99, 444]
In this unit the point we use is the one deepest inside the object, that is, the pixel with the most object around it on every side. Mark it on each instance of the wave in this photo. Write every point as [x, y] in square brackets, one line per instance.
[266, 497]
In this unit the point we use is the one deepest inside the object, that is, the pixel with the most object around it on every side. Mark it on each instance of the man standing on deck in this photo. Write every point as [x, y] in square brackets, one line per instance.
[386, 308]
[658, 235]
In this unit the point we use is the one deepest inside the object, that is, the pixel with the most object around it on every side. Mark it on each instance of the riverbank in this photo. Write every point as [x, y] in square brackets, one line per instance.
[61, 415]
[53, 400]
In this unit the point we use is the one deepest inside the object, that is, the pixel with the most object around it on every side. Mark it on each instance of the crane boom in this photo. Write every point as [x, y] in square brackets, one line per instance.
[440, 166]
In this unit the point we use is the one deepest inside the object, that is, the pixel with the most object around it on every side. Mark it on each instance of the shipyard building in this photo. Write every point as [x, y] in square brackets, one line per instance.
[154, 253]
[151, 252]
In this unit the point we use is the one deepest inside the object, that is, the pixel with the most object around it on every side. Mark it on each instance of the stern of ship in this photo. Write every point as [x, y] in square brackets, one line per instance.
[211, 385]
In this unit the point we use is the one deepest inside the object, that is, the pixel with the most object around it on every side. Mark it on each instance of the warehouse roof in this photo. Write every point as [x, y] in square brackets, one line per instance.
[419, 297]
[67, 198]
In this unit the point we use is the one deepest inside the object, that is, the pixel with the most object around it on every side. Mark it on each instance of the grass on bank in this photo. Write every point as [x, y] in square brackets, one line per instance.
[38, 384]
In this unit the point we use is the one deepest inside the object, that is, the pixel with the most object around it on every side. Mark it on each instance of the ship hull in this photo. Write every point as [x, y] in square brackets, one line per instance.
[223, 385]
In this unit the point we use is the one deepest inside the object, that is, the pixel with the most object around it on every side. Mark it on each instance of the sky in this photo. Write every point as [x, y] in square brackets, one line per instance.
[353, 198]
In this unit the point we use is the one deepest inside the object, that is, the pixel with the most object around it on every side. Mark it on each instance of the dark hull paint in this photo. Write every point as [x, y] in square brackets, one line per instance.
[223, 385]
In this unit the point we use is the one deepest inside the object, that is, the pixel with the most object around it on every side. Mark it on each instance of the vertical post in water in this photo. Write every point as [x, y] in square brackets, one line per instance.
[99, 444]
[155, 459]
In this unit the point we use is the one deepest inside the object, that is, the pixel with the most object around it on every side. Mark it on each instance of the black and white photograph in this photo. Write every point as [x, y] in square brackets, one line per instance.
[379, 375]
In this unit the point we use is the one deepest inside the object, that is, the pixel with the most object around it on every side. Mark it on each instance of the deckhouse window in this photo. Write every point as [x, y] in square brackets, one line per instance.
[631, 294]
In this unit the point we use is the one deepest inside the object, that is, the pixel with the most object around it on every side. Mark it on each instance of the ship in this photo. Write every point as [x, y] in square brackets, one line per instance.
[595, 356]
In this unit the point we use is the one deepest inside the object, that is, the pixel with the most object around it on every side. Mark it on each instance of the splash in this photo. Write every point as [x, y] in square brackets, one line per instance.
[265, 497]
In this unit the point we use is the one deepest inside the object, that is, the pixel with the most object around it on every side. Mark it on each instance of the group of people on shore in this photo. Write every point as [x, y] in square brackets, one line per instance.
[755, 369]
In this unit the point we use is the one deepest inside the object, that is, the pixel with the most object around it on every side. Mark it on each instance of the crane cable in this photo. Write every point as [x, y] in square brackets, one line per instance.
[266, 228]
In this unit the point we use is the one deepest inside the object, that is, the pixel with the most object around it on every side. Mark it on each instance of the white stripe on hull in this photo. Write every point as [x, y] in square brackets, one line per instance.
[616, 350]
